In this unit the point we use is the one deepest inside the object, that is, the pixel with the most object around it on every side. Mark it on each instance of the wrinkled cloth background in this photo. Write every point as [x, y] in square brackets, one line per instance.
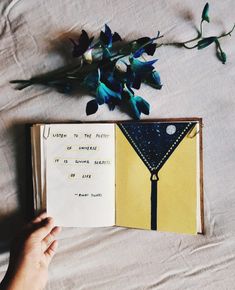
[33, 40]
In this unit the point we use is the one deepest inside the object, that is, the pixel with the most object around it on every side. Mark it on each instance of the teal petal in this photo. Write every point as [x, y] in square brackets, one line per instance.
[103, 94]
[142, 105]
[134, 108]
[138, 105]
[141, 66]
[221, 56]
[154, 80]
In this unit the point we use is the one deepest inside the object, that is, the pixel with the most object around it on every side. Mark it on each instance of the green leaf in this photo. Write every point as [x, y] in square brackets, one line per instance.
[206, 42]
[205, 13]
[221, 56]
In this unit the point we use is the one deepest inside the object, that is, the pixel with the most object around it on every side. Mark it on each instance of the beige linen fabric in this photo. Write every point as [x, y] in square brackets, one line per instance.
[33, 40]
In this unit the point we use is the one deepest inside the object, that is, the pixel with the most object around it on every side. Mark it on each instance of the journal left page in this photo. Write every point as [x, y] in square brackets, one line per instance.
[80, 174]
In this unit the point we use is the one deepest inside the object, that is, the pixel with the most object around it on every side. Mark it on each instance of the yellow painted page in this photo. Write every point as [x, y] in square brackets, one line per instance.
[176, 187]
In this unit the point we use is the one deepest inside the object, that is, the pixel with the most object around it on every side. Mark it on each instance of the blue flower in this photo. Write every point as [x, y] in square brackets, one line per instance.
[136, 104]
[132, 79]
[107, 38]
[141, 66]
[137, 71]
[104, 94]
[153, 79]
[81, 46]
[145, 44]
[113, 83]
[148, 48]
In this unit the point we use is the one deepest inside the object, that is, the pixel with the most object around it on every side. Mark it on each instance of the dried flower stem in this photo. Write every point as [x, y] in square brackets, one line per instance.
[184, 44]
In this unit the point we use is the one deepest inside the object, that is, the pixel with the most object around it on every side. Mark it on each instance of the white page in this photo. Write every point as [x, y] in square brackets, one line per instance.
[43, 169]
[80, 194]
[34, 168]
[198, 182]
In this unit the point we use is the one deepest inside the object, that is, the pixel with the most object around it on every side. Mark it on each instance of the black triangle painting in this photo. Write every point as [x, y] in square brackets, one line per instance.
[154, 143]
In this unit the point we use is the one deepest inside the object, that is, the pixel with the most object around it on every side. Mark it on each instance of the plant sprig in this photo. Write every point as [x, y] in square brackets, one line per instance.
[202, 41]
[111, 69]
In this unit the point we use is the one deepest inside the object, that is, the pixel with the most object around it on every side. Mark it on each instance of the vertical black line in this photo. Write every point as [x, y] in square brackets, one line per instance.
[154, 179]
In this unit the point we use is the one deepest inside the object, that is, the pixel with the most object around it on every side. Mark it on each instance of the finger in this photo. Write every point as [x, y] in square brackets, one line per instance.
[47, 241]
[40, 217]
[34, 223]
[43, 229]
[50, 252]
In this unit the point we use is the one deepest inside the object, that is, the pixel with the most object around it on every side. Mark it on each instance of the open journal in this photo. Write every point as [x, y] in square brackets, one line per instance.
[145, 175]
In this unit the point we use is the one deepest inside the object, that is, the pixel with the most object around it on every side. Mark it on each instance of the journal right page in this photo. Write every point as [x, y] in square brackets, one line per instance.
[158, 176]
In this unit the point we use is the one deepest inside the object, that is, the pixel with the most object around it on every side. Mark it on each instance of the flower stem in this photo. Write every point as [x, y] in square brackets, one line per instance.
[190, 47]
[228, 33]
[201, 28]
[183, 44]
